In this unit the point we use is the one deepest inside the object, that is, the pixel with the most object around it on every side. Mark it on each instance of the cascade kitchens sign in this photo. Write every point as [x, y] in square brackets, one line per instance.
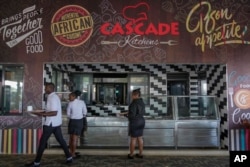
[137, 30]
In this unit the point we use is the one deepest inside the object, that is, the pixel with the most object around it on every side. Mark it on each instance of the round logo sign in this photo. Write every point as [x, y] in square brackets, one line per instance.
[72, 25]
[242, 98]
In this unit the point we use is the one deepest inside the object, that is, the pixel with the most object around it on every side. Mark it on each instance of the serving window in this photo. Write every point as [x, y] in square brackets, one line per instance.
[103, 88]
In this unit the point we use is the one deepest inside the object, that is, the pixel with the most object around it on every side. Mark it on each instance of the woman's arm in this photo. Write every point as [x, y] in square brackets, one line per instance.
[124, 113]
[46, 114]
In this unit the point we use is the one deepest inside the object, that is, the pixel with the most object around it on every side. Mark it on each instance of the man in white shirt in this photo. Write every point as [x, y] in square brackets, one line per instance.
[76, 112]
[52, 124]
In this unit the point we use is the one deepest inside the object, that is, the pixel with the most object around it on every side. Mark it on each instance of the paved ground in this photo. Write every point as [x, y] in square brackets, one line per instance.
[104, 158]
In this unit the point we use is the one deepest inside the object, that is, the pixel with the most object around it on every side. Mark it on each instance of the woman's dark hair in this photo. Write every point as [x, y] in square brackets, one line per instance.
[137, 92]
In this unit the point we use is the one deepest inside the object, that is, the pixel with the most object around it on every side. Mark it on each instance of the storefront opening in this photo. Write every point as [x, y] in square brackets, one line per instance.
[100, 88]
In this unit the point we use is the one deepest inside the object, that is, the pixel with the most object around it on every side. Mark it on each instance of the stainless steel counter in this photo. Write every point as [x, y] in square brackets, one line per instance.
[112, 131]
[164, 132]
[106, 131]
[107, 121]
[178, 124]
[197, 133]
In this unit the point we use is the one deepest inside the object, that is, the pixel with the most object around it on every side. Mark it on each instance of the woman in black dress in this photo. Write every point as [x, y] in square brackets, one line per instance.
[135, 113]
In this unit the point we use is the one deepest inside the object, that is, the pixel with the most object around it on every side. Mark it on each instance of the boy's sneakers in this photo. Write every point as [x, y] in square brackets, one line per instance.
[69, 160]
[32, 164]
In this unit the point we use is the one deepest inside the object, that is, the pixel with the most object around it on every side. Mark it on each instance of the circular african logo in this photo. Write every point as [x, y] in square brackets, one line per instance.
[242, 99]
[72, 25]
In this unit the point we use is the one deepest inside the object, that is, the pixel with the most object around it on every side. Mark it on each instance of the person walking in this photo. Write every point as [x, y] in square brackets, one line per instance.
[76, 112]
[52, 124]
[135, 113]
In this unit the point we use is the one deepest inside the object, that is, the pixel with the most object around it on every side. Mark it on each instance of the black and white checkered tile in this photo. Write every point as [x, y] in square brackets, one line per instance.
[216, 80]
